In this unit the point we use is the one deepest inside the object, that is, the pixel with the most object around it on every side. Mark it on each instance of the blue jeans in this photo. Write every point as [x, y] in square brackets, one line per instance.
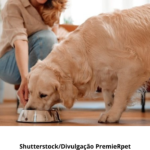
[40, 45]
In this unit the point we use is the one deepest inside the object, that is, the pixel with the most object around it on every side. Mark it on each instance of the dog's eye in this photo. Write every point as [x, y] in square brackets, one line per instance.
[42, 95]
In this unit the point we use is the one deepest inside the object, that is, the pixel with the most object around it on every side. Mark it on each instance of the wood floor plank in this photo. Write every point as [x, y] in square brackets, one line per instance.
[8, 117]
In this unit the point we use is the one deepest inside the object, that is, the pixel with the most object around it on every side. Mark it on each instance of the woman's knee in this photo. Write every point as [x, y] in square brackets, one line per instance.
[49, 36]
[46, 38]
[42, 43]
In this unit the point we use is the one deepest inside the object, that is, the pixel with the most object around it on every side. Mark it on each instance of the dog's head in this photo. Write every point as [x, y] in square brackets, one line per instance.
[47, 87]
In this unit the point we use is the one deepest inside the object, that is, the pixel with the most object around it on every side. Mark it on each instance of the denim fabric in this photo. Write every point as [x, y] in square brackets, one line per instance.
[40, 45]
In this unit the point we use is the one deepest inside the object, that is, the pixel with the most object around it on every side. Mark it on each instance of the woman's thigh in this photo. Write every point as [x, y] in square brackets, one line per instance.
[40, 45]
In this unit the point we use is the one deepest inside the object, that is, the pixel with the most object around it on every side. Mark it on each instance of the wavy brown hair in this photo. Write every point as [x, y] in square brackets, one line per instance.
[51, 10]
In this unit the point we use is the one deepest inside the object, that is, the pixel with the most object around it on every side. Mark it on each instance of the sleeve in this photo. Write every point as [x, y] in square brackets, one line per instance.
[13, 25]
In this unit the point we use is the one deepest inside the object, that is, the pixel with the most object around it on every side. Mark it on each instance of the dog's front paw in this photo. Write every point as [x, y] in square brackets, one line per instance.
[108, 117]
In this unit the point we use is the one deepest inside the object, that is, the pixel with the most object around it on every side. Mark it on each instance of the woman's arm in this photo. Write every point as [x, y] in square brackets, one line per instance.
[21, 53]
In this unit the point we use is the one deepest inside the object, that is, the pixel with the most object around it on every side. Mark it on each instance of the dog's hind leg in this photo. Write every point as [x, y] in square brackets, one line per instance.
[128, 83]
[108, 98]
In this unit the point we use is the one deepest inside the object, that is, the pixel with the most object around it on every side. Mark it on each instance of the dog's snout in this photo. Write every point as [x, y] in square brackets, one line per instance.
[30, 108]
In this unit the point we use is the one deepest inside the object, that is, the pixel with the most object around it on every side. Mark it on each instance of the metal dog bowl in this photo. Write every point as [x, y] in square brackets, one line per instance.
[39, 116]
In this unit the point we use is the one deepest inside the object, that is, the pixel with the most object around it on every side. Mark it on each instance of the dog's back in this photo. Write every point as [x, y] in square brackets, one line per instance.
[125, 34]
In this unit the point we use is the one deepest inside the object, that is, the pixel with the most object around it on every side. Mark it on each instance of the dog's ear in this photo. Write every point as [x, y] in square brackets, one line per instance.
[67, 92]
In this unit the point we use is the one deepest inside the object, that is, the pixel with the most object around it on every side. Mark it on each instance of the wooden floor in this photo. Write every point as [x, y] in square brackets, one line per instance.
[8, 117]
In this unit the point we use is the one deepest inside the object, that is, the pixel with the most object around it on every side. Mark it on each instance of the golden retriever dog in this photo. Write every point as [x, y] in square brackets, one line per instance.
[109, 50]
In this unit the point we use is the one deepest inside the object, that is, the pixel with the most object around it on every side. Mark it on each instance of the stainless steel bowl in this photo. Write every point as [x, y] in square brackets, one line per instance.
[39, 116]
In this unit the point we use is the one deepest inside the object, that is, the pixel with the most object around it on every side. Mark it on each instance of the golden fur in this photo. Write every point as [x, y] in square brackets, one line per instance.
[51, 15]
[108, 50]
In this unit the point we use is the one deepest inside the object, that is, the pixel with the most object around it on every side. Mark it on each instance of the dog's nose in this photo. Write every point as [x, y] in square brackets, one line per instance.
[30, 108]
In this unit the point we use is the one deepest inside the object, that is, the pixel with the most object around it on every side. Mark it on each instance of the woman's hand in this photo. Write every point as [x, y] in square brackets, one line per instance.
[23, 91]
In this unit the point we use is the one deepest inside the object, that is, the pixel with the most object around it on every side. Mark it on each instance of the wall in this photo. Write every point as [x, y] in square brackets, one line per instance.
[9, 92]
[79, 12]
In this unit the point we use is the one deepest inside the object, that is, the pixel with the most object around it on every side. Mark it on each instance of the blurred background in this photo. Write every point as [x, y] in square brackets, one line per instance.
[79, 10]
[76, 13]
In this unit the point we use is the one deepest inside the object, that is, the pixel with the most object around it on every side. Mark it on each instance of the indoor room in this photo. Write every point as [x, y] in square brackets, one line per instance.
[90, 109]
